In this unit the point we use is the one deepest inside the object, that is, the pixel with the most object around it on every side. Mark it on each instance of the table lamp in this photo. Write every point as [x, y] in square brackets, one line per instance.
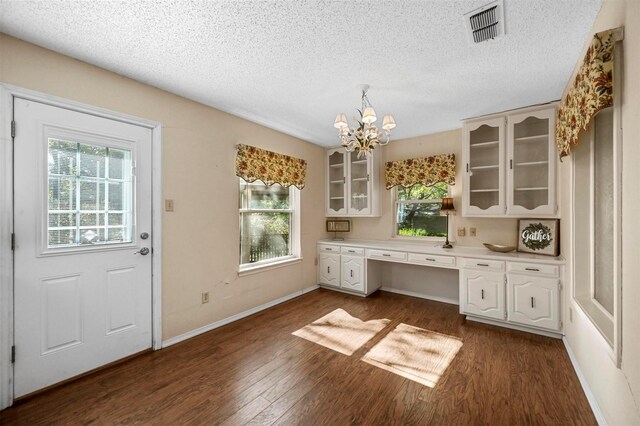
[447, 209]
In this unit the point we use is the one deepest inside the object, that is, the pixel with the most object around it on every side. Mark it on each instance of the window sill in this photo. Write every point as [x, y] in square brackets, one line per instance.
[250, 270]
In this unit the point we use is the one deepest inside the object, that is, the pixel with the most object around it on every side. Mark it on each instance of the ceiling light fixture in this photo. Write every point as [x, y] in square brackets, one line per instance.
[365, 136]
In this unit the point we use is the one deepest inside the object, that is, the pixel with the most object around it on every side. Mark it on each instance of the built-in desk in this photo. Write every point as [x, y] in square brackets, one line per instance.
[519, 290]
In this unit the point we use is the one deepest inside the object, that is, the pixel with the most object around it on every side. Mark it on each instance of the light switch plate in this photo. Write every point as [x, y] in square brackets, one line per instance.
[472, 232]
[461, 231]
[168, 205]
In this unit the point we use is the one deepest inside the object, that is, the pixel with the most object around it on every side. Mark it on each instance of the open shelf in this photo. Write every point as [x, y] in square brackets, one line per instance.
[337, 181]
[337, 165]
[359, 162]
[358, 179]
[484, 190]
[336, 198]
[484, 144]
[535, 188]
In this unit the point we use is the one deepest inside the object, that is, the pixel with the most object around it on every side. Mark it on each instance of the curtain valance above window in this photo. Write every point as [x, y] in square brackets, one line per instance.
[427, 171]
[269, 167]
[590, 92]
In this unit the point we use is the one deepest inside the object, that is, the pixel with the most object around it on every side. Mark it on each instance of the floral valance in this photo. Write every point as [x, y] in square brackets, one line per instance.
[591, 91]
[427, 171]
[269, 167]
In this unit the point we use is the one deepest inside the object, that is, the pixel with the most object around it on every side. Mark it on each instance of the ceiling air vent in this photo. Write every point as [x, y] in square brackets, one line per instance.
[486, 22]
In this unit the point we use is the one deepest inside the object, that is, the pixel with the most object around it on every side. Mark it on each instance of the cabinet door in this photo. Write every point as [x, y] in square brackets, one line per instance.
[353, 273]
[534, 301]
[329, 269]
[482, 293]
[336, 187]
[359, 178]
[483, 158]
[531, 175]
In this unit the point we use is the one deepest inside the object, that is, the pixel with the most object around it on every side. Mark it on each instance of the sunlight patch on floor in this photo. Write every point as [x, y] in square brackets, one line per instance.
[341, 332]
[415, 354]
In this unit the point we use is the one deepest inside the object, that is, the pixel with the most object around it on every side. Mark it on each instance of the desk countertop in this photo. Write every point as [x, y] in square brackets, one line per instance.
[436, 248]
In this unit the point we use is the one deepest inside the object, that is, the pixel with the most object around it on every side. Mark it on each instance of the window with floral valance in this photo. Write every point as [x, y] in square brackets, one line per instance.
[426, 171]
[590, 92]
[269, 167]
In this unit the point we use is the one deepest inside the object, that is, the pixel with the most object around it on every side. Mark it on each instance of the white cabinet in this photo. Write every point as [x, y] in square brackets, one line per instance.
[329, 269]
[482, 293]
[510, 164]
[528, 294]
[534, 301]
[353, 184]
[352, 273]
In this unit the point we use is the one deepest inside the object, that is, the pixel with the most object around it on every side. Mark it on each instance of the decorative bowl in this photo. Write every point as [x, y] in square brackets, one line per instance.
[499, 247]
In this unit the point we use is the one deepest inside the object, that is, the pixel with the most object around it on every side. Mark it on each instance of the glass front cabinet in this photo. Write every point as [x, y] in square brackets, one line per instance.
[352, 187]
[510, 164]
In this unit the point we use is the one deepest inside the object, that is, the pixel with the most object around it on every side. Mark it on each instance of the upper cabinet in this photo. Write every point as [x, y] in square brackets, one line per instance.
[353, 184]
[510, 164]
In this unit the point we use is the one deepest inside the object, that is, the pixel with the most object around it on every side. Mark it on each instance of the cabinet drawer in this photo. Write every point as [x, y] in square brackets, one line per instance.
[328, 248]
[394, 256]
[489, 265]
[433, 260]
[352, 251]
[533, 268]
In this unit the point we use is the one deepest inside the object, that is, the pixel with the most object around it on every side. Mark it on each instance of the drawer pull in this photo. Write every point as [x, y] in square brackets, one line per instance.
[328, 249]
[482, 294]
[482, 264]
[429, 259]
[386, 254]
[533, 302]
[352, 275]
[351, 251]
[532, 269]
[328, 269]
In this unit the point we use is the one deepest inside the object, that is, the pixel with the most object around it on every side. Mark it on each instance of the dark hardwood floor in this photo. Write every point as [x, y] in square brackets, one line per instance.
[254, 371]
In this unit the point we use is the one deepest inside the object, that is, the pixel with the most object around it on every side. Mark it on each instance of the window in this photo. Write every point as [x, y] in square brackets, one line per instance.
[418, 211]
[89, 195]
[268, 224]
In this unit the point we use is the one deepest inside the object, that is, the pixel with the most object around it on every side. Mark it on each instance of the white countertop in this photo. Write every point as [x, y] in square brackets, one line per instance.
[431, 247]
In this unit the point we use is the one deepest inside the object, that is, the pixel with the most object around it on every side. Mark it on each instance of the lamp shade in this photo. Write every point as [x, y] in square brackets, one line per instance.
[369, 115]
[447, 204]
[388, 122]
[341, 121]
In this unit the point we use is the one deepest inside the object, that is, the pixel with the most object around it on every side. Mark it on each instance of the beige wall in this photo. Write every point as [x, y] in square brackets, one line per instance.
[502, 231]
[617, 391]
[201, 236]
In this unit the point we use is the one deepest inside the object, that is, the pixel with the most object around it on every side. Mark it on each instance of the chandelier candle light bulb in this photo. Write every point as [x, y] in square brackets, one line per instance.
[364, 137]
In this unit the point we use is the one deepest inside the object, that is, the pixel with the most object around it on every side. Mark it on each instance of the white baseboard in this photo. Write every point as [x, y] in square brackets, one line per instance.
[499, 323]
[420, 295]
[236, 317]
[585, 386]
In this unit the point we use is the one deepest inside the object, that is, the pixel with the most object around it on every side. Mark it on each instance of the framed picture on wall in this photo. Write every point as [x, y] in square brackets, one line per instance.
[539, 236]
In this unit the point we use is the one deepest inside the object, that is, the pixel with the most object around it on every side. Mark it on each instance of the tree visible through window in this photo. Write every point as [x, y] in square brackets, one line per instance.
[418, 210]
[266, 219]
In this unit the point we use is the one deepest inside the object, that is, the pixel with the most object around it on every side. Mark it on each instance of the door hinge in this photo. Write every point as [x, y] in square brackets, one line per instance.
[13, 354]
[13, 241]
[13, 129]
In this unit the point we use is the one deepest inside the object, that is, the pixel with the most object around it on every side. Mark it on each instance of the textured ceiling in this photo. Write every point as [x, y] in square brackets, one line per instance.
[293, 65]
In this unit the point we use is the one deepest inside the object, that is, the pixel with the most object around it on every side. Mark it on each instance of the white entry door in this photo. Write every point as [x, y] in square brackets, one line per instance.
[82, 223]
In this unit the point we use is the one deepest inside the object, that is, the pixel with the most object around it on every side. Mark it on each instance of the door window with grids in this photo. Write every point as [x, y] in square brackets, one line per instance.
[418, 211]
[267, 223]
[90, 194]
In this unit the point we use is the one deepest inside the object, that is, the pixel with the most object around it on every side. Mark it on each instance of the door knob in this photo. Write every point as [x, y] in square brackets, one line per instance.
[144, 235]
[143, 251]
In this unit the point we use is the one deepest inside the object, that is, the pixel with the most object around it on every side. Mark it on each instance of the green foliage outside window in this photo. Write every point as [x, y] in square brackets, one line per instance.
[418, 211]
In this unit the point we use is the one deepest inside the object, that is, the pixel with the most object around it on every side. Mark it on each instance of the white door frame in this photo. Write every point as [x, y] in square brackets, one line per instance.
[7, 94]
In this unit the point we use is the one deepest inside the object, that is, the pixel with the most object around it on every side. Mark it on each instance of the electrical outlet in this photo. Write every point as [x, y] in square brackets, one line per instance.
[205, 297]
[168, 205]
[472, 232]
[461, 231]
